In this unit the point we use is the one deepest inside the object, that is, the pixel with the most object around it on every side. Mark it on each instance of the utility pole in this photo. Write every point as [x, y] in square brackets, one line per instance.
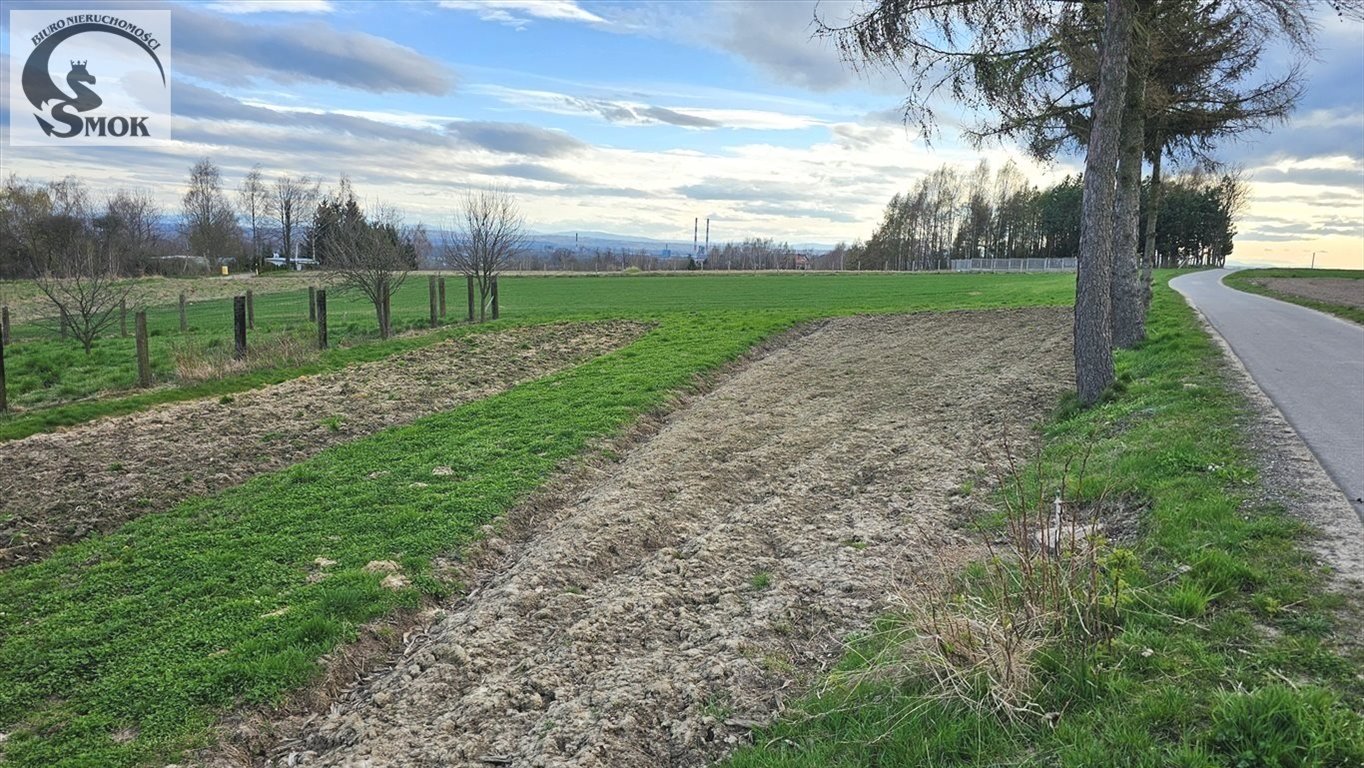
[1314, 259]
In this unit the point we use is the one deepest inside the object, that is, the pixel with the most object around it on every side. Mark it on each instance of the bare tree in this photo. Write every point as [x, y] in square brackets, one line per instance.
[290, 204]
[83, 284]
[252, 198]
[373, 256]
[489, 233]
[210, 224]
[127, 230]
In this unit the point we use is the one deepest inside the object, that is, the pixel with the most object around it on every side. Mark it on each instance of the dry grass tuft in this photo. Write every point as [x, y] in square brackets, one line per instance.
[1051, 579]
[197, 362]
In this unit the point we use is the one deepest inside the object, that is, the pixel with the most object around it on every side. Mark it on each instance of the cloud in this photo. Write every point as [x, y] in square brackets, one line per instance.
[224, 50]
[520, 13]
[797, 212]
[203, 104]
[532, 171]
[632, 114]
[777, 38]
[515, 138]
[271, 6]
[739, 189]
[1348, 178]
[623, 112]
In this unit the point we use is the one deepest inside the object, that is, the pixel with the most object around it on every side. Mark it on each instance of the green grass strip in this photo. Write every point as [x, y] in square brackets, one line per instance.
[54, 383]
[160, 626]
[1244, 280]
[1224, 660]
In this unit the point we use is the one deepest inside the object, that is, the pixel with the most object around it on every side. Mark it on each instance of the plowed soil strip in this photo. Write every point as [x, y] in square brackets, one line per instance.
[60, 487]
[689, 591]
[1334, 290]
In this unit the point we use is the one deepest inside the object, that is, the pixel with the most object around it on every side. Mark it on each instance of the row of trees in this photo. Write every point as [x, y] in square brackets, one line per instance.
[39, 223]
[978, 215]
[1124, 81]
[79, 253]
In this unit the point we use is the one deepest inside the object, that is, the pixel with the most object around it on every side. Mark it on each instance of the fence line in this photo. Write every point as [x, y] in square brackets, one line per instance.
[1013, 265]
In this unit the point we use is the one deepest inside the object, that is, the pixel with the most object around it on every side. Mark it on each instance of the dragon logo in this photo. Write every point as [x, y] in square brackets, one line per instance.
[66, 109]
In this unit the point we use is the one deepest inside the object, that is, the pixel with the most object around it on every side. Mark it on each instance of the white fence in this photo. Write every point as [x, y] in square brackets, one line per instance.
[1013, 265]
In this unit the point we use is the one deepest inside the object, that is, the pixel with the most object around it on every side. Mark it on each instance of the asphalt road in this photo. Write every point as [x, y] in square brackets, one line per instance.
[1309, 363]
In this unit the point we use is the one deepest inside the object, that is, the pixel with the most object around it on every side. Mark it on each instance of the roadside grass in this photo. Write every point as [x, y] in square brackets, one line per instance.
[1244, 280]
[122, 650]
[52, 382]
[1221, 653]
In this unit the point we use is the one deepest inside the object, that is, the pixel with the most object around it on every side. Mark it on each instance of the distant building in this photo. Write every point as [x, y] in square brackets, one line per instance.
[298, 264]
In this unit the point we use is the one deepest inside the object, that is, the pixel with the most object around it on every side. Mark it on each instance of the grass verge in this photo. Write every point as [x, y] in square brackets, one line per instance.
[1244, 280]
[1220, 651]
[122, 650]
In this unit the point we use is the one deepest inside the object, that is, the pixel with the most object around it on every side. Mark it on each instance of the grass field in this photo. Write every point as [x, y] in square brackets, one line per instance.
[124, 649]
[155, 629]
[1246, 280]
[1220, 654]
[53, 383]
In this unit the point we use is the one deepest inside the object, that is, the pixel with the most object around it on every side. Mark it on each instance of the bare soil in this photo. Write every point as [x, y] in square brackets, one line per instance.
[668, 604]
[62, 486]
[1348, 292]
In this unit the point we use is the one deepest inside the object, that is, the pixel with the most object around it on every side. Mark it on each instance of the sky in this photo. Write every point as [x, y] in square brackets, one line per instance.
[634, 118]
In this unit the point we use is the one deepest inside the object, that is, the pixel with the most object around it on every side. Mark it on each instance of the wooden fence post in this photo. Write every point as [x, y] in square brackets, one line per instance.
[184, 322]
[123, 318]
[250, 310]
[441, 288]
[144, 360]
[4, 324]
[471, 298]
[312, 303]
[320, 303]
[4, 397]
[495, 312]
[239, 325]
[431, 290]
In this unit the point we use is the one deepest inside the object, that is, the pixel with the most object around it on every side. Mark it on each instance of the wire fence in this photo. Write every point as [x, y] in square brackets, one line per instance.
[1013, 265]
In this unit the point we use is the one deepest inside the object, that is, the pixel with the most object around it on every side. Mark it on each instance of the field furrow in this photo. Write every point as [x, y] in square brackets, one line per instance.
[694, 588]
[63, 486]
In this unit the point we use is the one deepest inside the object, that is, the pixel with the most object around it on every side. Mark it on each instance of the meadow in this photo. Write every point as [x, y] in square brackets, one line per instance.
[53, 383]
[127, 649]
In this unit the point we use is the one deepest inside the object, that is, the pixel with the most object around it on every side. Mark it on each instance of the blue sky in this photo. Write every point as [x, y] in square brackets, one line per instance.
[634, 118]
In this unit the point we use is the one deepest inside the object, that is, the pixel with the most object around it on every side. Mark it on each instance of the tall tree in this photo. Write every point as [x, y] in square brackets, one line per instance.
[208, 220]
[128, 234]
[489, 234]
[252, 201]
[289, 205]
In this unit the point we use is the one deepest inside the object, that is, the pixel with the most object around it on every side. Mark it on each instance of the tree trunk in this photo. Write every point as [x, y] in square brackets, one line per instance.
[1128, 323]
[1148, 260]
[1094, 275]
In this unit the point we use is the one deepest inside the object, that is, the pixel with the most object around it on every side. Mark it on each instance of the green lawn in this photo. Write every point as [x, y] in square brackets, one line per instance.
[53, 383]
[1219, 652]
[1244, 280]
